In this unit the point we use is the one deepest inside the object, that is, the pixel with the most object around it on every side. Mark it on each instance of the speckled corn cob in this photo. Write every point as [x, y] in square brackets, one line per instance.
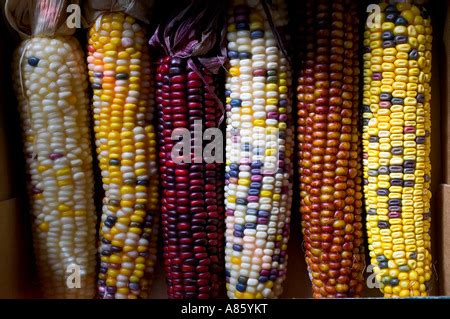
[51, 87]
[119, 70]
[258, 153]
[329, 152]
[396, 141]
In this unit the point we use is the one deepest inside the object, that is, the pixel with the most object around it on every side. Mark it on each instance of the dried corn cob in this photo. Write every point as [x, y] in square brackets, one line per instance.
[258, 152]
[192, 203]
[51, 88]
[119, 70]
[329, 167]
[396, 144]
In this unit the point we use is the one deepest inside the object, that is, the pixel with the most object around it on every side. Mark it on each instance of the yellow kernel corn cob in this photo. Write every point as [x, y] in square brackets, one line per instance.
[396, 145]
[51, 87]
[119, 70]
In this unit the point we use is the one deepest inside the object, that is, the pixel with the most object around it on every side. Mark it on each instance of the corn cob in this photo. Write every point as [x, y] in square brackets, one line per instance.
[119, 70]
[51, 88]
[192, 209]
[192, 203]
[329, 152]
[258, 152]
[396, 145]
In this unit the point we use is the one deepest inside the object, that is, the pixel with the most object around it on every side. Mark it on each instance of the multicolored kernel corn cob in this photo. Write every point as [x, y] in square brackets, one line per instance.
[51, 87]
[396, 144]
[258, 188]
[119, 70]
[329, 152]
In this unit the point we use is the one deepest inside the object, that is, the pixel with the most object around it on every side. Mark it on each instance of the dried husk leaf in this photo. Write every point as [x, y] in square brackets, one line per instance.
[39, 17]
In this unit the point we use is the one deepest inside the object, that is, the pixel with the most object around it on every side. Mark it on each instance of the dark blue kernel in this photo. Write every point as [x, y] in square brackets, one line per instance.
[401, 39]
[413, 54]
[383, 224]
[235, 102]
[394, 282]
[372, 172]
[257, 34]
[387, 35]
[420, 140]
[255, 171]
[240, 287]
[124, 76]
[233, 54]
[245, 55]
[390, 9]
[256, 164]
[242, 26]
[33, 61]
[420, 98]
[397, 150]
[238, 234]
[383, 170]
[408, 183]
[401, 21]
[388, 44]
[396, 169]
[385, 96]
[263, 213]
[395, 202]
[396, 182]
[397, 100]
[391, 17]
[255, 185]
[383, 265]
[263, 279]
[237, 247]
[409, 164]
